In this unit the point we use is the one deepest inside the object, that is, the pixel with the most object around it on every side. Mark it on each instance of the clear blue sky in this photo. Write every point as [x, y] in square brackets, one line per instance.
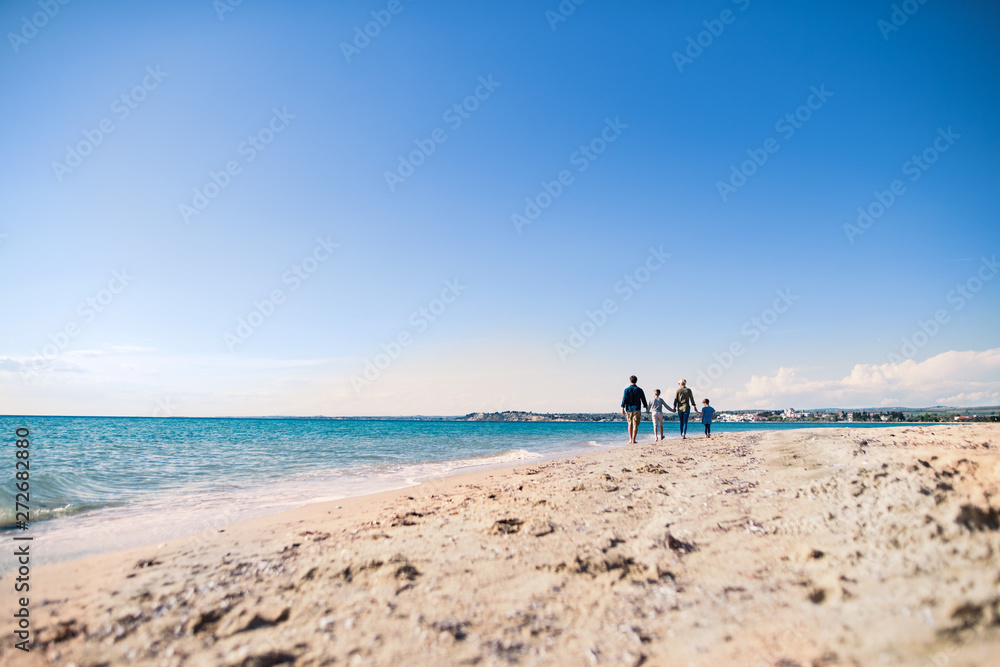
[163, 339]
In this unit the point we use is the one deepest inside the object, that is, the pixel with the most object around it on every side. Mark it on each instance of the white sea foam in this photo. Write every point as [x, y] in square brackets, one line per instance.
[510, 456]
[417, 473]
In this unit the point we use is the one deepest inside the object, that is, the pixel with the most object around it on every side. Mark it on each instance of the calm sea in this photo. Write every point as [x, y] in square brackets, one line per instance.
[101, 484]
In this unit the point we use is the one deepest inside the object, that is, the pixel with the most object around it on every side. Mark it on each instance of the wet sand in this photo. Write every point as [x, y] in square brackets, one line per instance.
[805, 547]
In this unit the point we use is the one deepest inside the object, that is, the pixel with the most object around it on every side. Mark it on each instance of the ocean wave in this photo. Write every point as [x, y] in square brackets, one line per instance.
[9, 519]
[54, 495]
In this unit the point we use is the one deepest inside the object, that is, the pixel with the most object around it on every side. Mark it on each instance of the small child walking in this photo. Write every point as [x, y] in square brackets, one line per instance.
[706, 417]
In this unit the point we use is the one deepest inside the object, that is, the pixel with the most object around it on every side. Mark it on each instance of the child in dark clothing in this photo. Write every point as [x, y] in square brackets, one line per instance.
[706, 418]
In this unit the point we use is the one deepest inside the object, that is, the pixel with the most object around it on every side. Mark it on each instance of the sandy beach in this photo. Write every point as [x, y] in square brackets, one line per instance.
[805, 547]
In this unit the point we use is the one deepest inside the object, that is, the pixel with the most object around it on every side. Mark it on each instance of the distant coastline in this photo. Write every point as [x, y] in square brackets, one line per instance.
[900, 415]
[869, 415]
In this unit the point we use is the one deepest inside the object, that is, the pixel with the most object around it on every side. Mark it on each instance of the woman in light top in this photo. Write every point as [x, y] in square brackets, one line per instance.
[683, 402]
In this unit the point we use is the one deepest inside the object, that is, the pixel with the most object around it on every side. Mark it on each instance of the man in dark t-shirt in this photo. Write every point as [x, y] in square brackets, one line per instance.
[633, 402]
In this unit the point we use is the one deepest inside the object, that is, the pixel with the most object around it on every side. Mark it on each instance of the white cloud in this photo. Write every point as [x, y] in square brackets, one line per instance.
[972, 398]
[950, 378]
[12, 365]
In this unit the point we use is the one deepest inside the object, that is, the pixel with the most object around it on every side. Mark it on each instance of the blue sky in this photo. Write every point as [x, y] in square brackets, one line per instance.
[505, 322]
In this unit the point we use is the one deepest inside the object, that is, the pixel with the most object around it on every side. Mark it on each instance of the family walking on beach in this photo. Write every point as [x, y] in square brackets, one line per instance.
[634, 401]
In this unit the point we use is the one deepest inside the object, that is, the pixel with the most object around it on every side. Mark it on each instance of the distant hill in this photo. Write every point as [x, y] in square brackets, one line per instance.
[519, 416]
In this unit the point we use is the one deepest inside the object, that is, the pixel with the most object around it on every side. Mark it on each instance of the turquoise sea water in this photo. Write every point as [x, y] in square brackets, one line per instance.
[103, 483]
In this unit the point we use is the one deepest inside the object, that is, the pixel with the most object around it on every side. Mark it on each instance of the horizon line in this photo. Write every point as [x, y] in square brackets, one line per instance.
[531, 412]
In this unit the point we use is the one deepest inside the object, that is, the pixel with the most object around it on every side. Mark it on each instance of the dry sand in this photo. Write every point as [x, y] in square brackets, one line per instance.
[806, 547]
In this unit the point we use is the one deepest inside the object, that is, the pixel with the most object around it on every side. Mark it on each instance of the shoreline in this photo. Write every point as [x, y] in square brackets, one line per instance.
[133, 516]
[706, 549]
[408, 476]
